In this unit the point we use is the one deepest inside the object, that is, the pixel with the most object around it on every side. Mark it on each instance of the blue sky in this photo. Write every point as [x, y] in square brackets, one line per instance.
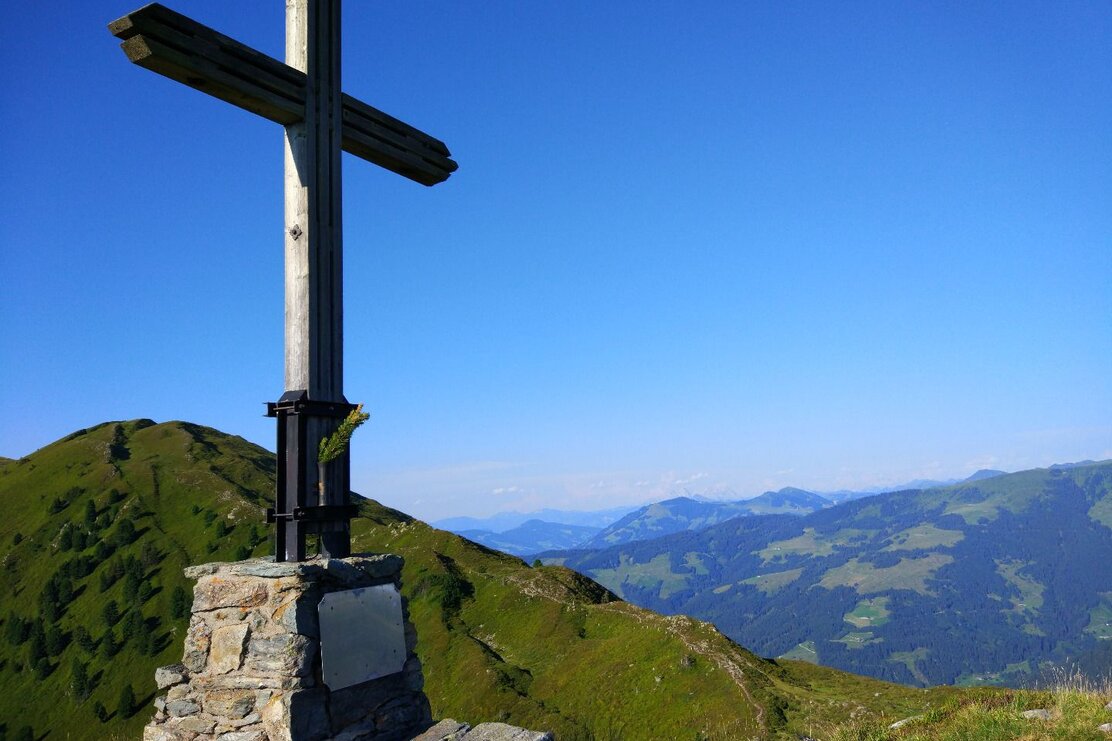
[704, 245]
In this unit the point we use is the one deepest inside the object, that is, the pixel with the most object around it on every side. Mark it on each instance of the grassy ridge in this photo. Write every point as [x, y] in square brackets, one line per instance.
[113, 513]
[1076, 708]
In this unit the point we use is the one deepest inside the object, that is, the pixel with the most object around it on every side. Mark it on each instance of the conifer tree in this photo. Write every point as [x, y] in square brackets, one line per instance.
[125, 533]
[82, 638]
[125, 707]
[79, 681]
[108, 645]
[110, 613]
[55, 640]
[179, 603]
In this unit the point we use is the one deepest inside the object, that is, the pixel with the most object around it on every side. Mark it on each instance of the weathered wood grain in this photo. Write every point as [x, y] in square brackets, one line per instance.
[163, 41]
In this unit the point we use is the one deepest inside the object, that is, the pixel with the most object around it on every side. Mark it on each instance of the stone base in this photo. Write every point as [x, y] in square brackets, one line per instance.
[251, 669]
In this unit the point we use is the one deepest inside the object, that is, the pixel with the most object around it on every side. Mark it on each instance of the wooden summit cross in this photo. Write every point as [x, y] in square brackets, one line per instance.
[303, 95]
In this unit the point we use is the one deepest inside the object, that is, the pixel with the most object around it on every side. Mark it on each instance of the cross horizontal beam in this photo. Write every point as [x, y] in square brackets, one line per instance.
[178, 47]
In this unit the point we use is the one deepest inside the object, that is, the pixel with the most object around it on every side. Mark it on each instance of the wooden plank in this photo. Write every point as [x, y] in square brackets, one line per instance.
[184, 50]
[386, 155]
[202, 75]
[192, 39]
[156, 15]
[369, 113]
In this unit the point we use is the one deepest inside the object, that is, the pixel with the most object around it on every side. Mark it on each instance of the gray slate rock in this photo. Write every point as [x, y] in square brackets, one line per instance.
[445, 730]
[503, 732]
[1106, 727]
[1039, 714]
[182, 708]
[453, 730]
[904, 722]
[168, 676]
[1108, 707]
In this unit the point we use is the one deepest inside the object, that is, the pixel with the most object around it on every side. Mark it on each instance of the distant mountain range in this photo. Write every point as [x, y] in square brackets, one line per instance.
[846, 495]
[978, 582]
[550, 529]
[532, 536]
[685, 513]
[503, 521]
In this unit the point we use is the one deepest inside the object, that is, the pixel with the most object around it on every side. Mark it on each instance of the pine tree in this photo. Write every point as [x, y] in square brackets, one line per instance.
[55, 640]
[25, 734]
[146, 591]
[145, 645]
[82, 638]
[79, 681]
[110, 613]
[133, 624]
[125, 533]
[125, 708]
[102, 552]
[16, 629]
[131, 587]
[90, 514]
[100, 711]
[179, 603]
[108, 645]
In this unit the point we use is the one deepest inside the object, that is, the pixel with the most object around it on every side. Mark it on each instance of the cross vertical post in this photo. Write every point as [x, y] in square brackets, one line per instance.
[314, 276]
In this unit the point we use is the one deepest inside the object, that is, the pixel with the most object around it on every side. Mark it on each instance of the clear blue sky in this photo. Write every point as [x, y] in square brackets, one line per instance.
[714, 245]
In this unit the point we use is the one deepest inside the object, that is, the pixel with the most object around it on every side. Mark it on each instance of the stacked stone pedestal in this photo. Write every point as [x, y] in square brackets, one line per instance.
[251, 669]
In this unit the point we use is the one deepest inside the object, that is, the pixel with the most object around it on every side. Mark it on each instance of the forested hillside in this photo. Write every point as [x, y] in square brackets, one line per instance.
[975, 583]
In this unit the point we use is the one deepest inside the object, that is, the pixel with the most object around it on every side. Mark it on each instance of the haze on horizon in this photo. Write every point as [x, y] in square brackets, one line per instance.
[718, 247]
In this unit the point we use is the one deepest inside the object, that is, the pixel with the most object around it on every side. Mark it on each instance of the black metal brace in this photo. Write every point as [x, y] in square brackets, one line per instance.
[293, 513]
[320, 513]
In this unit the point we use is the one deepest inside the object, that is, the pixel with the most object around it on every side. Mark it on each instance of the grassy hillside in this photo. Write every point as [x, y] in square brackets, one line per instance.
[1070, 708]
[110, 515]
[978, 583]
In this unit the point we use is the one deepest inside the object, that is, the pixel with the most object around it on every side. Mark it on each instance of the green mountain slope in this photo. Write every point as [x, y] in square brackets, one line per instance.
[979, 582]
[110, 515]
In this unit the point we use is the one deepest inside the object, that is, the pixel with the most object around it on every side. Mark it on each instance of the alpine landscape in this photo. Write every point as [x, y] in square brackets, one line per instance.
[568, 371]
[955, 585]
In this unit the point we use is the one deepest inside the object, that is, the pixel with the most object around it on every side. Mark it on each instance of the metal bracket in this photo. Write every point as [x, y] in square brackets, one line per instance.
[296, 402]
[320, 513]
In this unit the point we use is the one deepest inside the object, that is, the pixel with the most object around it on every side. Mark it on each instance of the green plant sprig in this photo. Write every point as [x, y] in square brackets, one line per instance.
[333, 446]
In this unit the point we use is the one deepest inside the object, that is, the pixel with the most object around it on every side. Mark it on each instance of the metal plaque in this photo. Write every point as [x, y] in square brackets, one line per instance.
[362, 636]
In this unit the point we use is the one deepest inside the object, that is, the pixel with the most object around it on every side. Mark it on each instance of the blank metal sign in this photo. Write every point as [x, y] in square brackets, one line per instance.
[361, 635]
